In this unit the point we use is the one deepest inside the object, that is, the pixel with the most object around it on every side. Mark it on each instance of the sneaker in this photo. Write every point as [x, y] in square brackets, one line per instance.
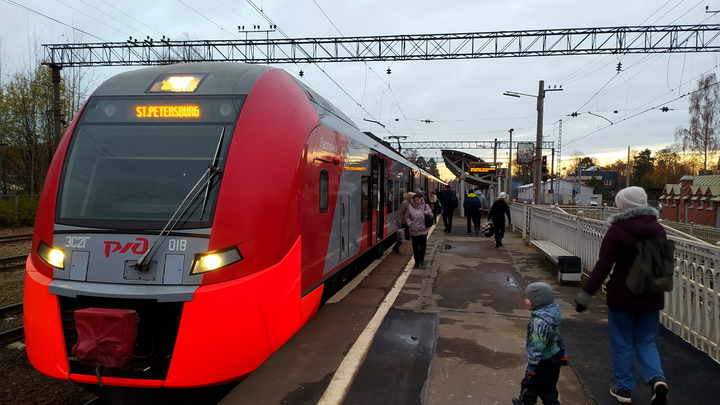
[660, 391]
[516, 401]
[396, 250]
[621, 394]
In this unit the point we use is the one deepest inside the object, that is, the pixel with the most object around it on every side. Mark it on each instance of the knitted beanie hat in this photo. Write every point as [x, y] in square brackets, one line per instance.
[631, 197]
[540, 295]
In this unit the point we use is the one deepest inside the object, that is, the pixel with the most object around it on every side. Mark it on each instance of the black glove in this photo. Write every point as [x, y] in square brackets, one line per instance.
[582, 301]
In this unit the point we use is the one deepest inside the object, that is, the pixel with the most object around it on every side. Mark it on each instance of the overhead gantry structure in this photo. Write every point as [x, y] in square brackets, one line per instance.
[477, 45]
[572, 41]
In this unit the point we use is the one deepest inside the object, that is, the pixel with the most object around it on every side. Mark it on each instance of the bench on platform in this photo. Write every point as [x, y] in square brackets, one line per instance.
[569, 265]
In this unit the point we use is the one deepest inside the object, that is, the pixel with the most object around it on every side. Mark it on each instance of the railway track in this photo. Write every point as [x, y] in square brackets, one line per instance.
[12, 263]
[15, 238]
[14, 334]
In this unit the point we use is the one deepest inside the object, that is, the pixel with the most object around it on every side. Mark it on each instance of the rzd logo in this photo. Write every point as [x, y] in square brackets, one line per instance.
[138, 247]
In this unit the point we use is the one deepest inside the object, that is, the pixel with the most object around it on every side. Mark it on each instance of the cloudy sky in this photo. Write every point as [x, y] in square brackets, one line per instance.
[463, 98]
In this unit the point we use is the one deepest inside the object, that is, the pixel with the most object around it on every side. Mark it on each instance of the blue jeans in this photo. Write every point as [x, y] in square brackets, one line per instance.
[634, 331]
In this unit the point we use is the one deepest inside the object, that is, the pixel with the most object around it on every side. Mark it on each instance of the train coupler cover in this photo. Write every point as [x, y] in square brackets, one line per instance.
[105, 336]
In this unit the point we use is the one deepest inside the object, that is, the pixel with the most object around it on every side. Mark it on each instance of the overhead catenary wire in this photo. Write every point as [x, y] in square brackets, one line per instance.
[14, 3]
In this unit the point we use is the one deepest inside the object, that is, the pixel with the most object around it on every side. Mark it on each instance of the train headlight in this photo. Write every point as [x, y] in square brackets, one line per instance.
[51, 255]
[172, 83]
[210, 261]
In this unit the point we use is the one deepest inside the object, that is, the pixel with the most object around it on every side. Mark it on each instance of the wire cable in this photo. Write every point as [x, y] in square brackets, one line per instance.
[53, 19]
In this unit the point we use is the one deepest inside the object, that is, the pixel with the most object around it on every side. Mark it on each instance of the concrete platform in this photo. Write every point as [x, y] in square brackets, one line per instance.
[453, 332]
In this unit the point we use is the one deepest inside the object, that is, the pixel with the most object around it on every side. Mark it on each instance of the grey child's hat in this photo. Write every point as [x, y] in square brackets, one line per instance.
[540, 295]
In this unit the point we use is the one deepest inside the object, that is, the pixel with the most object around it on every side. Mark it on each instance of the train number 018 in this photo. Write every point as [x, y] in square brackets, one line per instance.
[177, 244]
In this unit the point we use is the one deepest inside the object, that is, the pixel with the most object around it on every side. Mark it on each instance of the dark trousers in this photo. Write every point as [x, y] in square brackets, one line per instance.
[499, 228]
[447, 218]
[543, 384]
[419, 243]
[474, 217]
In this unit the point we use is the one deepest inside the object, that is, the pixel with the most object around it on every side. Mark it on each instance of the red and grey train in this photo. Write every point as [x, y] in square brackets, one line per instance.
[218, 204]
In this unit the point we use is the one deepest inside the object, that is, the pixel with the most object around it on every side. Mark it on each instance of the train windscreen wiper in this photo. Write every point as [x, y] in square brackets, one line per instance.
[143, 263]
[215, 165]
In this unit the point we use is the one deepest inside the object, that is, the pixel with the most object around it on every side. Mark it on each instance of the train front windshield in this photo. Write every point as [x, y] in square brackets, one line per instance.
[139, 164]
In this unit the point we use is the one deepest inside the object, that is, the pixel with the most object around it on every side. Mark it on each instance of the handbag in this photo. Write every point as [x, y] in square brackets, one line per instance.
[428, 220]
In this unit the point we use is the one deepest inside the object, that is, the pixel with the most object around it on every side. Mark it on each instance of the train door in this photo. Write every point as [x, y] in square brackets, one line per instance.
[344, 206]
[381, 198]
[412, 187]
[376, 216]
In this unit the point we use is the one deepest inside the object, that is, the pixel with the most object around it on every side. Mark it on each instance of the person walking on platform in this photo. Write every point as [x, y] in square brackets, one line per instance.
[472, 206]
[449, 203]
[415, 219]
[545, 347]
[632, 319]
[483, 203]
[433, 203]
[400, 220]
[497, 214]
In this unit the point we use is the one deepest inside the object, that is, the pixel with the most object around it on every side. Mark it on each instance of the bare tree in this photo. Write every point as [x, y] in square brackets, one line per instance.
[411, 155]
[701, 135]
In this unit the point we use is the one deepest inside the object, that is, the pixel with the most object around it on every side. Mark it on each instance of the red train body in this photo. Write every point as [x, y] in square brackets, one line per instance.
[223, 214]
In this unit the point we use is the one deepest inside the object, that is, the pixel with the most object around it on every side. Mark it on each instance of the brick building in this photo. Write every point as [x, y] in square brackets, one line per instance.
[694, 200]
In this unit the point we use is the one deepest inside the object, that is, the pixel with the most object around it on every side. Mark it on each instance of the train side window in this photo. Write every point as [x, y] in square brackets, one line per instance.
[324, 186]
[390, 196]
[365, 213]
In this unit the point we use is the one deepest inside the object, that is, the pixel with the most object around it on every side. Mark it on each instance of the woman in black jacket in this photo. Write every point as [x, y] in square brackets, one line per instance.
[497, 215]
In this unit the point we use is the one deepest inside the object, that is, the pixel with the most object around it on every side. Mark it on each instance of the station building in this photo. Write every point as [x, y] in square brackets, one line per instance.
[694, 200]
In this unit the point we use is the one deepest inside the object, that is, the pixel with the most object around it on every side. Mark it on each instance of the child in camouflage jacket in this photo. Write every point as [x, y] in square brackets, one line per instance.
[545, 347]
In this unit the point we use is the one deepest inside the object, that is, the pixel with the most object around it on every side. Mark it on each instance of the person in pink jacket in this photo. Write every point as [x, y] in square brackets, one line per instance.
[415, 219]
[400, 220]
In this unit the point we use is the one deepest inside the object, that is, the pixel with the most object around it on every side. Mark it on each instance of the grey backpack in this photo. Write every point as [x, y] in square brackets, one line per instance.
[653, 268]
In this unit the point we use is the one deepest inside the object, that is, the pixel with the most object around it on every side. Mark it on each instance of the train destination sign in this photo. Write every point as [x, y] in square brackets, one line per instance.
[167, 111]
[482, 167]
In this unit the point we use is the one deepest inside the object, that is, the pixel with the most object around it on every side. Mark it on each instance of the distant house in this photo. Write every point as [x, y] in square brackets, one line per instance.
[563, 192]
[694, 200]
[609, 178]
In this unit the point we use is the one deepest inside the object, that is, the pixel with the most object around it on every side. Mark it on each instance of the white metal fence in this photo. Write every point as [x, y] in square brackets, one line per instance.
[692, 309]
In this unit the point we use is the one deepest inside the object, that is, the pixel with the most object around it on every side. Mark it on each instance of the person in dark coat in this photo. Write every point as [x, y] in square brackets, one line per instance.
[472, 206]
[632, 319]
[497, 214]
[449, 203]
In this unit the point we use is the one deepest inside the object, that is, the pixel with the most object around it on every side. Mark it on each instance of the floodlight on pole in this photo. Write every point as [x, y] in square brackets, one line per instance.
[537, 160]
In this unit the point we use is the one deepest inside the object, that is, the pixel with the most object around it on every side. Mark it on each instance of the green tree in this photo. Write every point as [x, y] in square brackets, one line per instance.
[598, 187]
[433, 168]
[643, 164]
[28, 142]
[701, 137]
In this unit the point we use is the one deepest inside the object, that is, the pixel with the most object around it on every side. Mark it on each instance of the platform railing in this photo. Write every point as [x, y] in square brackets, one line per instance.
[692, 309]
